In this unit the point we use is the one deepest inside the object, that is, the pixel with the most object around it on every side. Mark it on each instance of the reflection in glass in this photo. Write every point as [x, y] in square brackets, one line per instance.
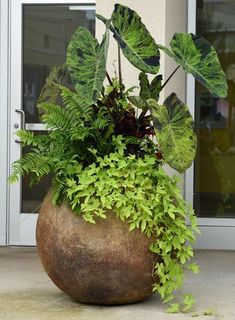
[32, 196]
[215, 118]
[47, 30]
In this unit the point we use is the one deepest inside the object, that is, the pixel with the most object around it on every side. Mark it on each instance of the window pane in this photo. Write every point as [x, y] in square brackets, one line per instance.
[215, 118]
[47, 30]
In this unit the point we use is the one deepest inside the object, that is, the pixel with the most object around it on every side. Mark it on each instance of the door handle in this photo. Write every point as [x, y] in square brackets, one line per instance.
[22, 122]
[22, 119]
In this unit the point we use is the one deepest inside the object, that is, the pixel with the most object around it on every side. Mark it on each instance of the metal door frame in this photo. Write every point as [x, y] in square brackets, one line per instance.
[216, 233]
[4, 119]
[21, 226]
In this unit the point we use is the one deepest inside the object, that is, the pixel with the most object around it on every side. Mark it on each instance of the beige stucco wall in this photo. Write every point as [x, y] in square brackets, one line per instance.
[175, 21]
[162, 18]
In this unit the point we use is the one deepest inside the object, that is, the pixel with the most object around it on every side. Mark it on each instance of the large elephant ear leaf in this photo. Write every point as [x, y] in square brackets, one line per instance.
[198, 57]
[174, 131]
[136, 43]
[86, 62]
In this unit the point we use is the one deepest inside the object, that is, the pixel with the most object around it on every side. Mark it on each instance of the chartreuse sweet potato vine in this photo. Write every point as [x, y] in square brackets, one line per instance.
[140, 192]
[99, 146]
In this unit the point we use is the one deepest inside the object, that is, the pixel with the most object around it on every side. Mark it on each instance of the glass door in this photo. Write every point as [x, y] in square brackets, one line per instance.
[40, 32]
[214, 169]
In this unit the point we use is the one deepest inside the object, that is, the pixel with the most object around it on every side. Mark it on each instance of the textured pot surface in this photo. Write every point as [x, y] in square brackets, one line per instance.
[102, 263]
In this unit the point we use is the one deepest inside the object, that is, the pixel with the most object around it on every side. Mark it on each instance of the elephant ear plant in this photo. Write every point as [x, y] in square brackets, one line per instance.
[105, 147]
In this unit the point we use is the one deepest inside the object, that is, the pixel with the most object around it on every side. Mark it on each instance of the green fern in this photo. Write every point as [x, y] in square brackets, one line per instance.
[103, 119]
[76, 129]
[54, 116]
[75, 104]
[32, 163]
[28, 138]
[58, 191]
[80, 132]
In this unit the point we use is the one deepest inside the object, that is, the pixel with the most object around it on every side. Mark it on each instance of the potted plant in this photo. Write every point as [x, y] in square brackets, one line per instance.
[113, 229]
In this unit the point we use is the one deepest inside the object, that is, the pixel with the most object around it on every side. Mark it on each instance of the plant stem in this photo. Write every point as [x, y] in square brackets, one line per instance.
[119, 67]
[109, 79]
[170, 77]
[143, 113]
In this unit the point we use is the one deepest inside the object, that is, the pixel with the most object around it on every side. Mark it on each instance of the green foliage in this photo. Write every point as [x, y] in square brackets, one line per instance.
[33, 163]
[174, 308]
[134, 39]
[150, 90]
[86, 62]
[191, 52]
[99, 147]
[186, 305]
[197, 56]
[188, 302]
[209, 312]
[193, 267]
[78, 132]
[50, 92]
[139, 191]
[194, 54]
[174, 129]
[147, 91]
[75, 104]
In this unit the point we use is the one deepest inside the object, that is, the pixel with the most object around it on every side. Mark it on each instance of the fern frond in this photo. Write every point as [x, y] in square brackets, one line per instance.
[31, 162]
[80, 132]
[103, 119]
[28, 138]
[133, 140]
[55, 116]
[58, 188]
[73, 102]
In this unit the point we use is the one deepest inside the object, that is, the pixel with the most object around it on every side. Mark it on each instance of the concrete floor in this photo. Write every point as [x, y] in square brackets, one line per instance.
[26, 293]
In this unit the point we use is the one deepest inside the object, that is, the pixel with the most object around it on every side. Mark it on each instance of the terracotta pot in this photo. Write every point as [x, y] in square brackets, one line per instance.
[101, 264]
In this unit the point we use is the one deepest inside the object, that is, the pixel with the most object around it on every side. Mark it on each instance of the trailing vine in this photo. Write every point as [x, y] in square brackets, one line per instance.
[139, 191]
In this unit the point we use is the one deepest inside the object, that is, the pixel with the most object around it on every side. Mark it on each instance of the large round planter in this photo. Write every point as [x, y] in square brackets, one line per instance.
[101, 264]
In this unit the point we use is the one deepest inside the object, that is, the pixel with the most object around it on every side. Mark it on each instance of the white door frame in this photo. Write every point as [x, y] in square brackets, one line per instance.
[216, 233]
[21, 225]
[4, 119]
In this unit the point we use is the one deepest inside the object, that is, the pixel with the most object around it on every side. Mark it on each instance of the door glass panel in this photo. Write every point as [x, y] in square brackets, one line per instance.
[215, 118]
[46, 33]
[32, 195]
[47, 30]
